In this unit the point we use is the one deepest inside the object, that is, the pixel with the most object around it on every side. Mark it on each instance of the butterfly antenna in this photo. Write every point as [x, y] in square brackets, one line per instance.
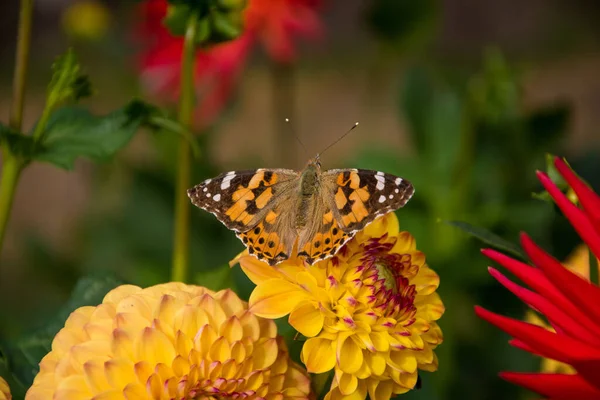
[296, 135]
[340, 138]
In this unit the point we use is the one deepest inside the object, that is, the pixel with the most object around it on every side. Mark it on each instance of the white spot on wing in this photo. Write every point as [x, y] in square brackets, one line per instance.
[391, 196]
[207, 194]
[380, 181]
[379, 173]
[381, 199]
[397, 190]
[398, 181]
[217, 197]
[227, 180]
[205, 190]
[206, 182]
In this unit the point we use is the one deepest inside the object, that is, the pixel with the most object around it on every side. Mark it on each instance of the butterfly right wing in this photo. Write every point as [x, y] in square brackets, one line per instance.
[252, 203]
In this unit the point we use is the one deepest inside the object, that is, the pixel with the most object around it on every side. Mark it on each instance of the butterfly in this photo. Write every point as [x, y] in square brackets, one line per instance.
[271, 210]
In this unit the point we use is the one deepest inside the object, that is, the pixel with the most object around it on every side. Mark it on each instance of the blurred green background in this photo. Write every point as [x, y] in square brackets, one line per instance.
[462, 97]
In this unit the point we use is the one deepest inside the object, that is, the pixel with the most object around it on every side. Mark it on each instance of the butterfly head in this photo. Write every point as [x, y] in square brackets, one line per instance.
[315, 162]
[310, 177]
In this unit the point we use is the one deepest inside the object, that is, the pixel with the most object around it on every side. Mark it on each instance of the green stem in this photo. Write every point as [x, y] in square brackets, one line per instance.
[40, 127]
[21, 63]
[182, 204]
[11, 165]
[11, 171]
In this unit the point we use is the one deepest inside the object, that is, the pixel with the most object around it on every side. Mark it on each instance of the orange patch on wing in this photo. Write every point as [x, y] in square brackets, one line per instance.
[263, 199]
[340, 199]
[348, 219]
[354, 180]
[240, 204]
[327, 218]
[271, 217]
[242, 193]
[274, 179]
[359, 210]
[256, 180]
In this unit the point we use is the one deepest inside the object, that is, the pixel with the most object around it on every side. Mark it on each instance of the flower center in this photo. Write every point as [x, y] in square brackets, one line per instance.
[389, 278]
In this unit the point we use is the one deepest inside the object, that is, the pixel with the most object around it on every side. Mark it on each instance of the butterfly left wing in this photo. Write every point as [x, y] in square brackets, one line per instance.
[359, 196]
[247, 203]
[240, 199]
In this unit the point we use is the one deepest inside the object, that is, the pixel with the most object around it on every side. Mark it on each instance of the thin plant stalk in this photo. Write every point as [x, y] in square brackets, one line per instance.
[11, 164]
[181, 245]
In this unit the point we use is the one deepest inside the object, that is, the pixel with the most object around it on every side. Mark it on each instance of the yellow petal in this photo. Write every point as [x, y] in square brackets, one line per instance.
[349, 354]
[72, 387]
[258, 271]
[230, 302]
[380, 390]
[347, 383]
[119, 372]
[154, 346]
[220, 350]
[265, 354]
[94, 376]
[119, 293]
[403, 361]
[307, 319]
[232, 329]
[318, 355]
[275, 298]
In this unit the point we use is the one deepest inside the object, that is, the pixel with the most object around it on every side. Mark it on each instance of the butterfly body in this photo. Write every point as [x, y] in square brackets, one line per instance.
[274, 210]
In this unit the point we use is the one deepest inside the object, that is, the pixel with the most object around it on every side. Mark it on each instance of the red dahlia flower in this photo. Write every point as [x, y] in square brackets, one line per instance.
[568, 301]
[274, 23]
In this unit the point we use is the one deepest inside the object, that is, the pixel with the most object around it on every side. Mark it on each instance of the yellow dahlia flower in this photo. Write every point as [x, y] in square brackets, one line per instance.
[170, 341]
[369, 312]
[4, 390]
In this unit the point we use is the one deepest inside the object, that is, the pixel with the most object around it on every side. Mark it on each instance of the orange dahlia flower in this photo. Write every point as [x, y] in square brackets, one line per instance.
[170, 341]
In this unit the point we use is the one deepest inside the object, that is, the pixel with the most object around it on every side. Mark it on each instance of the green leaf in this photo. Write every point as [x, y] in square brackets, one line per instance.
[489, 238]
[17, 388]
[68, 83]
[74, 132]
[26, 353]
[17, 143]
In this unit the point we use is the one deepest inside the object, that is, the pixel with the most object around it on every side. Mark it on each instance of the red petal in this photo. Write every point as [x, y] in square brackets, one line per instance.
[535, 279]
[561, 321]
[589, 200]
[520, 345]
[555, 386]
[548, 344]
[581, 292]
[582, 224]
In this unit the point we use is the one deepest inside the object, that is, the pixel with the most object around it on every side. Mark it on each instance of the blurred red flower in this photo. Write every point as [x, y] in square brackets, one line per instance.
[273, 23]
[570, 303]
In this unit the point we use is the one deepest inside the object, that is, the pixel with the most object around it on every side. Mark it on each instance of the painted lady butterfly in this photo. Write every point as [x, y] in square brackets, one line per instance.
[272, 209]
